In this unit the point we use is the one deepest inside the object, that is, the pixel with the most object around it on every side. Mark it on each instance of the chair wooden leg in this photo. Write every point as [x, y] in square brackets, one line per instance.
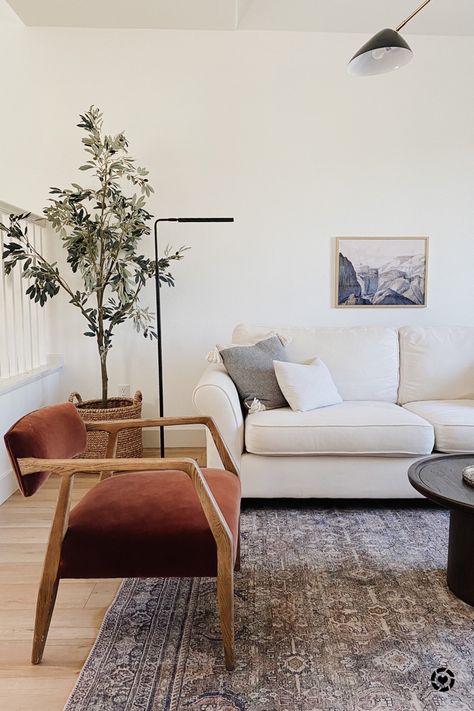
[225, 601]
[237, 558]
[44, 611]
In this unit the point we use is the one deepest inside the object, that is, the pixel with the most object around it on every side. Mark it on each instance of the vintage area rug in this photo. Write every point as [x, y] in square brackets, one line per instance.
[338, 609]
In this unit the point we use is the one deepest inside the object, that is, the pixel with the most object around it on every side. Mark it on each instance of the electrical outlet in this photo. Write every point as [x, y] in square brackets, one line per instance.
[124, 390]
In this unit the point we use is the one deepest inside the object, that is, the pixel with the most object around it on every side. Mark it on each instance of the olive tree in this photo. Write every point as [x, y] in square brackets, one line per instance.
[101, 228]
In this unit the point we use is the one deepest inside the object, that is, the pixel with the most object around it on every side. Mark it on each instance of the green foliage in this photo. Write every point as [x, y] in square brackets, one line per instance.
[100, 228]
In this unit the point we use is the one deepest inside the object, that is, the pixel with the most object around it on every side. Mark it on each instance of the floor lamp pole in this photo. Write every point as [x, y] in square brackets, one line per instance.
[159, 330]
[159, 335]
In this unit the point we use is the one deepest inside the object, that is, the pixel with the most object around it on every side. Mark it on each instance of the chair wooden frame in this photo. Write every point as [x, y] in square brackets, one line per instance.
[67, 468]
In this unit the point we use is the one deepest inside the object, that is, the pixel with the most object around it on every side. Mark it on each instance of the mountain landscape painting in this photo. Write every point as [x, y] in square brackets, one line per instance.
[381, 271]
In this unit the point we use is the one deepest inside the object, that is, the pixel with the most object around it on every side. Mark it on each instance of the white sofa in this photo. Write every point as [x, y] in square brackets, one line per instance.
[407, 392]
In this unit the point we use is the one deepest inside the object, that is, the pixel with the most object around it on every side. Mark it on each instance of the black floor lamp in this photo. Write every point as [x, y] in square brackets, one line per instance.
[158, 307]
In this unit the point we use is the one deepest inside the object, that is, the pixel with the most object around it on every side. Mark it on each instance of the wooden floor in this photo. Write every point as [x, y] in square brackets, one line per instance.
[80, 606]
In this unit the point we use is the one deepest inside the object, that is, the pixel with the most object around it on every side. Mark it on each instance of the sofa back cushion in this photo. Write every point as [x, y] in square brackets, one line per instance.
[436, 363]
[363, 360]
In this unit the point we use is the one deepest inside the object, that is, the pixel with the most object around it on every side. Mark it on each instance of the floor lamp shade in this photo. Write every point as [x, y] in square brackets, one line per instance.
[384, 52]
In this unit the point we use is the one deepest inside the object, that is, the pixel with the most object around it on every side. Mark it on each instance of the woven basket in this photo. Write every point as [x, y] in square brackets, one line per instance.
[129, 442]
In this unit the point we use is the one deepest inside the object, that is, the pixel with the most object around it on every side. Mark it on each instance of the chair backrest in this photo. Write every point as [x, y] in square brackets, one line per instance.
[54, 432]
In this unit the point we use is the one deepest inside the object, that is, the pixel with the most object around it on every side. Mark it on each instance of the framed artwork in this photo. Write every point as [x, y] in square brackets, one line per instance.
[381, 271]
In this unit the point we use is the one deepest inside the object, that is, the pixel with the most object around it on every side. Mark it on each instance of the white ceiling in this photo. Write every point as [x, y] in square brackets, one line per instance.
[444, 17]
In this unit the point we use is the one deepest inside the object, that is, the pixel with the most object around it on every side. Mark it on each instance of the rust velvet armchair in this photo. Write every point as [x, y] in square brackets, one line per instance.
[144, 518]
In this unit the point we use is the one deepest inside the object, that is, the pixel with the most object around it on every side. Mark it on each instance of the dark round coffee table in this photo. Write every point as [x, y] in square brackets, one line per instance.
[439, 478]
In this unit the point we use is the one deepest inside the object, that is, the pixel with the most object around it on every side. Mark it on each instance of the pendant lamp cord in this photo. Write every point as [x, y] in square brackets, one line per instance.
[415, 12]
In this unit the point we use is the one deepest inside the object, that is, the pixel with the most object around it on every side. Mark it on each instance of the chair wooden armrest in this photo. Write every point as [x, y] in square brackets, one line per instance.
[113, 427]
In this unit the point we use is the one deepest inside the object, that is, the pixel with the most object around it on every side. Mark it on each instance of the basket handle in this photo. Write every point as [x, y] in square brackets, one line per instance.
[76, 396]
[138, 397]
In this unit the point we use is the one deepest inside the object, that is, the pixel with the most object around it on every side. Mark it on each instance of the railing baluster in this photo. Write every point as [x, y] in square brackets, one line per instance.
[4, 359]
[10, 326]
[17, 326]
[35, 317]
[42, 311]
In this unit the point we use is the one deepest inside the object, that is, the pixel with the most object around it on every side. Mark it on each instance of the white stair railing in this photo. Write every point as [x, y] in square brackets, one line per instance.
[22, 321]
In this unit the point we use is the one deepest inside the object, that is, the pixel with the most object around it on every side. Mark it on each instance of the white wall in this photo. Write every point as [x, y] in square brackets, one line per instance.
[265, 127]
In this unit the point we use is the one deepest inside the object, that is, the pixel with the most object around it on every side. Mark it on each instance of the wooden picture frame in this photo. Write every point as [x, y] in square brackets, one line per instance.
[381, 272]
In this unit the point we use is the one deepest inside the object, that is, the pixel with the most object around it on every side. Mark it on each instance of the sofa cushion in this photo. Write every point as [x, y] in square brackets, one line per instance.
[363, 360]
[452, 420]
[436, 363]
[349, 428]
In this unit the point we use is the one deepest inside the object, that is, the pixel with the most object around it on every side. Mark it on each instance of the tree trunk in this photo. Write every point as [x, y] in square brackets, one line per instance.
[101, 346]
[105, 379]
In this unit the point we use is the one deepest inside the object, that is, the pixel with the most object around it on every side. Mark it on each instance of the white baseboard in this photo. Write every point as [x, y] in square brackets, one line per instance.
[8, 485]
[176, 437]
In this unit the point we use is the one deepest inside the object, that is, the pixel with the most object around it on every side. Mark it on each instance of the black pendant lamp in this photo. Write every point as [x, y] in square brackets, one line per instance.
[384, 52]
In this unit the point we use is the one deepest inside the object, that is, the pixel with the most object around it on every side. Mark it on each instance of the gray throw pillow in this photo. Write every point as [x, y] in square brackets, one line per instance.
[251, 369]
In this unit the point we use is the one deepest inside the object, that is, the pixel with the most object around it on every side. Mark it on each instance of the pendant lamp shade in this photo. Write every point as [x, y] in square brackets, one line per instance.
[384, 52]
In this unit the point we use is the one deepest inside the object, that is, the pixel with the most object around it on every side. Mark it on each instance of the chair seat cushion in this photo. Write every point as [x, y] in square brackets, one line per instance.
[452, 420]
[378, 428]
[147, 524]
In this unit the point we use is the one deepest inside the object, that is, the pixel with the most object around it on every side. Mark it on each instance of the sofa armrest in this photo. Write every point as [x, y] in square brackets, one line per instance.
[216, 396]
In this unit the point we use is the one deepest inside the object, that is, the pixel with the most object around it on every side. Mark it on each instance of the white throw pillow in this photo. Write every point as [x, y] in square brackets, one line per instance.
[306, 387]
